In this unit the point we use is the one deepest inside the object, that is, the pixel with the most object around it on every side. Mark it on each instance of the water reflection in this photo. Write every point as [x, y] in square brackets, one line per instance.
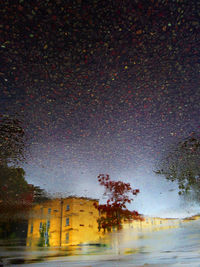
[63, 222]
[65, 227]
[125, 247]
[73, 221]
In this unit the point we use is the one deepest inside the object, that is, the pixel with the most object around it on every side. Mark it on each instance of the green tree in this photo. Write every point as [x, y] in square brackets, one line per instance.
[39, 195]
[115, 211]
[182, 164]
[14, 190]
[15, 193]
[44, 236]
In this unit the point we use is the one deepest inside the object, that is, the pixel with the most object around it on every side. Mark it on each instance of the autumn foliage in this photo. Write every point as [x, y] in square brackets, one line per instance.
[114, 212]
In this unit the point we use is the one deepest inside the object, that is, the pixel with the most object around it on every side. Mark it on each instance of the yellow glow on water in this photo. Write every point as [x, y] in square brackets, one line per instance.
[73, 221]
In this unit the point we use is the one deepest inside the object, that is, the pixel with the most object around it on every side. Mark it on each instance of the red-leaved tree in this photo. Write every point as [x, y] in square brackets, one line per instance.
[114, 212]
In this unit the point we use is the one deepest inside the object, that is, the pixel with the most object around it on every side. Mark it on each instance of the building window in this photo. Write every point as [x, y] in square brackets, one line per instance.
[81, 224]
[49, 210]
[81, 210]
[40, 226]
[67, 238]
[67, 221]
[160, 222]
[48, 224]
[91, 212]
[67, 207]
[31, 228]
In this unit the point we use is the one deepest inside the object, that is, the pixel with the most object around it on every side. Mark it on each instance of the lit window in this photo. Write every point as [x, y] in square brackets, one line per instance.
[48, 224]
[67, 207]
[31, 228]
[49, 210]
[40, 226]
[67, 221]
[67, 237]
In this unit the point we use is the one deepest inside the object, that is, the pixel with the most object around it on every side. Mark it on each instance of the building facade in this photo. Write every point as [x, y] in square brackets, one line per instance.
[72, 221]
[63, 222]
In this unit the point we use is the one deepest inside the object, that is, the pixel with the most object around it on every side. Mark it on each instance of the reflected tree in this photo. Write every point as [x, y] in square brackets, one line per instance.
[44, 236]
[39, 195]
[182, 164]
[115, 211]
[16, 195]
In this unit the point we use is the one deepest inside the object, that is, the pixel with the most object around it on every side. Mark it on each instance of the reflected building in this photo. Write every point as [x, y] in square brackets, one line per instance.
[62, 222]
[153, 224]
[192, 218]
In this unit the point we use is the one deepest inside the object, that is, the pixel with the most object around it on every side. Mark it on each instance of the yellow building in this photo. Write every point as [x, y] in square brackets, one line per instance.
[192, 218]
[153, 224]
[62, 222]
[68, 221]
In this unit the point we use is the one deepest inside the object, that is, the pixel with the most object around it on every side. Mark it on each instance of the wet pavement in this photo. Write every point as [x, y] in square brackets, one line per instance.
[172, 247]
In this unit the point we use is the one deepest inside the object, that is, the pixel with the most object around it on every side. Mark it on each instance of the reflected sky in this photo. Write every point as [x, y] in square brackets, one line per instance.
[102, 87]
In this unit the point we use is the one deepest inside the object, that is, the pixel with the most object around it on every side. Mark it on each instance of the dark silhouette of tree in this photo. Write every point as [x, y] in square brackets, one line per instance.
[114, 212]
[39, 195]
[182, 164]
[16, 200]
[16, 195]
